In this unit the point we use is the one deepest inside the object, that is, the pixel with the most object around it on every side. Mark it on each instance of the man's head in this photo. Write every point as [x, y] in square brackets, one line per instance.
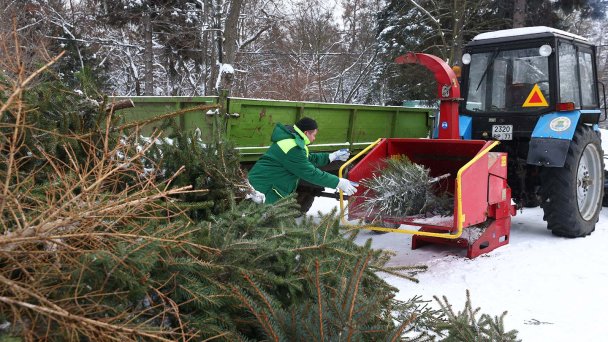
[309, 127]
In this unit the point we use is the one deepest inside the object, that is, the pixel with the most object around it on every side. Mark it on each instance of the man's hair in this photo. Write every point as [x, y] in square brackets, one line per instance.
[307, 124]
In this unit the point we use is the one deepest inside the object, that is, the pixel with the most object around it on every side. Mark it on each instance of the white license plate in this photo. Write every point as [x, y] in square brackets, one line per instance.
[502, 132]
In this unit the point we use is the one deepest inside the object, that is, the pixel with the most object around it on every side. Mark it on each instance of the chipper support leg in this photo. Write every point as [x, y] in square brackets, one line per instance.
[495, 235]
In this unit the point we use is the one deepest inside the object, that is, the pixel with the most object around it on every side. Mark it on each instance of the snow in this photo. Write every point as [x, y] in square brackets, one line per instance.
[553, 288]
[524, 31]
[224, 69]
[436, 220]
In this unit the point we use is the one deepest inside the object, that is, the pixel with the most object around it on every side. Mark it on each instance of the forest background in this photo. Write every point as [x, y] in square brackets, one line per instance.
[327, 51]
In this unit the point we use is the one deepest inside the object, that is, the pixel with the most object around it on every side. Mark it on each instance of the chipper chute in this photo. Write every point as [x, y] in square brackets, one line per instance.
[476, 177]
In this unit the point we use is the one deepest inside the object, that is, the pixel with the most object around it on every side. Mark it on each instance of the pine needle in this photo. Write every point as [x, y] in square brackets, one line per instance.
[402, 188]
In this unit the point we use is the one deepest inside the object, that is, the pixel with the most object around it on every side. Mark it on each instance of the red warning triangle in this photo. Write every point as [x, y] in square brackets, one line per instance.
[535, 98]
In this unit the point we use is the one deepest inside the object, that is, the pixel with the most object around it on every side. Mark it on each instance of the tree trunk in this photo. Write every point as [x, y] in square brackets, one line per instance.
[207, 47]
[459, 19]
[231, 31]
[230, 43]
[148, 56]
[216, 49]
[519, 13]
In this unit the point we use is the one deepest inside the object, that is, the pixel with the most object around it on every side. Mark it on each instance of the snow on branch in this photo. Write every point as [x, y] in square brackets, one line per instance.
[225, 76]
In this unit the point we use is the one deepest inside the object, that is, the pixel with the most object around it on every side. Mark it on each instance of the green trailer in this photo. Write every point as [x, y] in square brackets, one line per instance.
[251, 121]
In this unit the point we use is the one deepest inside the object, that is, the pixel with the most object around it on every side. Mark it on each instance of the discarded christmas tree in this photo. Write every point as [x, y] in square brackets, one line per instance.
[210, 166]
[95, 244]
[402, 188]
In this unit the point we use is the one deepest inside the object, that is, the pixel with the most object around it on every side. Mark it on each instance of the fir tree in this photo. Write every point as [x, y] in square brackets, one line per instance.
[212, 167]
[400, 188]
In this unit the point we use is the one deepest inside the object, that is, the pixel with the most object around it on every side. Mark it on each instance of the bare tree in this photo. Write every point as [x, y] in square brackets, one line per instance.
[519, 13]
[148, 54]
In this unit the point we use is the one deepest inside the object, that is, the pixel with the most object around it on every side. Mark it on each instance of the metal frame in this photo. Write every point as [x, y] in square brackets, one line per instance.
[459, 215]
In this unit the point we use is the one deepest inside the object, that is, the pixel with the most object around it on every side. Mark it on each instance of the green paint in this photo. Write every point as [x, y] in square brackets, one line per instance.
[350, 126]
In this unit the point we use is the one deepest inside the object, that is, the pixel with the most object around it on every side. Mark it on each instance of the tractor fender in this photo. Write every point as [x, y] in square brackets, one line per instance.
[551, 138]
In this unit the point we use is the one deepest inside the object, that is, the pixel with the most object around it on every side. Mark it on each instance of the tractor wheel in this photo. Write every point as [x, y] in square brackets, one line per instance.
[605, 200]
[572, 194]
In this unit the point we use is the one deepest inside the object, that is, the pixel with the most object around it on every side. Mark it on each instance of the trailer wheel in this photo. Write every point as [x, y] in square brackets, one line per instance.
[572, 194]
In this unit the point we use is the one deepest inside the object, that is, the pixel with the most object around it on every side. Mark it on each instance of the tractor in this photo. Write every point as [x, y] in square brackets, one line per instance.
[520, 124]
[535, 90]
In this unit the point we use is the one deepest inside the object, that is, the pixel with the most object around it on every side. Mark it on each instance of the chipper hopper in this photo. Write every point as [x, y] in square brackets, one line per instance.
[476, 177]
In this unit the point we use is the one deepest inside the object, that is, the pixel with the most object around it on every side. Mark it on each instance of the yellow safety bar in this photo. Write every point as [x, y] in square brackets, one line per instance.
[459, 214]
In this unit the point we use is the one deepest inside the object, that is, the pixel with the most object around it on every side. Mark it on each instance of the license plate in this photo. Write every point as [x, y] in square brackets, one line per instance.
[502, 132]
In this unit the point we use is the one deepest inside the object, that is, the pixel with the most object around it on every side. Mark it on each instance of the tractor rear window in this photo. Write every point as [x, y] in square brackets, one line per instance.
[585, 64]
[568, 78]
[576, 80]
[508, 81]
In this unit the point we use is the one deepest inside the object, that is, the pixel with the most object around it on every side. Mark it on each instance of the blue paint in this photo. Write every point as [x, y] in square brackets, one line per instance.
[465, 127]
[557, 125]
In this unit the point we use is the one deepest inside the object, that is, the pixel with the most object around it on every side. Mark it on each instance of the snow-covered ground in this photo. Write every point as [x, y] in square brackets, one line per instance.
[554, 289]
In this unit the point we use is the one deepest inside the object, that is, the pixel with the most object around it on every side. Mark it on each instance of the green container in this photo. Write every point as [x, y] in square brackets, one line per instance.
[147, 107]
[251, 121]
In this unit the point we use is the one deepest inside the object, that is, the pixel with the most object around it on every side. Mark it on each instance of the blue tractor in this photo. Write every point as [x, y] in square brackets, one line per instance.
[535, 89]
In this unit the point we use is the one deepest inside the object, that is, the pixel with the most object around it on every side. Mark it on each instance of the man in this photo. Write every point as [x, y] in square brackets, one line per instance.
[277, 173]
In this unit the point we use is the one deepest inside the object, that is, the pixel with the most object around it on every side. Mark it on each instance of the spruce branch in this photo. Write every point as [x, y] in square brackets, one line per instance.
[260, 316]
[165, 116]
[357, 282]
[78, 229]
[24, 82]
[398, 333]
[465, 326]
[319, 299]
[263, 297]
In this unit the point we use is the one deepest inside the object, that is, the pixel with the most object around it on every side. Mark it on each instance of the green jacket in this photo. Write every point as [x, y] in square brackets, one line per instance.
[277, 173]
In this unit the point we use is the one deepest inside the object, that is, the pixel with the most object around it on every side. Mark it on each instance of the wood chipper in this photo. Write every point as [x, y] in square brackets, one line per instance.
[476, 177]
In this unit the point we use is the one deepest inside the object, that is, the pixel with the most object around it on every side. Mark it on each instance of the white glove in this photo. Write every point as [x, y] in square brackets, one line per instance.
[342, 155]
[256, 196]
[347, 186]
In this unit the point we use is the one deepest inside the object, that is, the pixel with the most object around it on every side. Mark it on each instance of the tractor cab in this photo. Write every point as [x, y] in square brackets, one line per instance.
[511, 77]
[535, 89]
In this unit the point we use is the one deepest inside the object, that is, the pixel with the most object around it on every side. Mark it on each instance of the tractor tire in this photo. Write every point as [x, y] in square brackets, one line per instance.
[605, 200]
[572, 194]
